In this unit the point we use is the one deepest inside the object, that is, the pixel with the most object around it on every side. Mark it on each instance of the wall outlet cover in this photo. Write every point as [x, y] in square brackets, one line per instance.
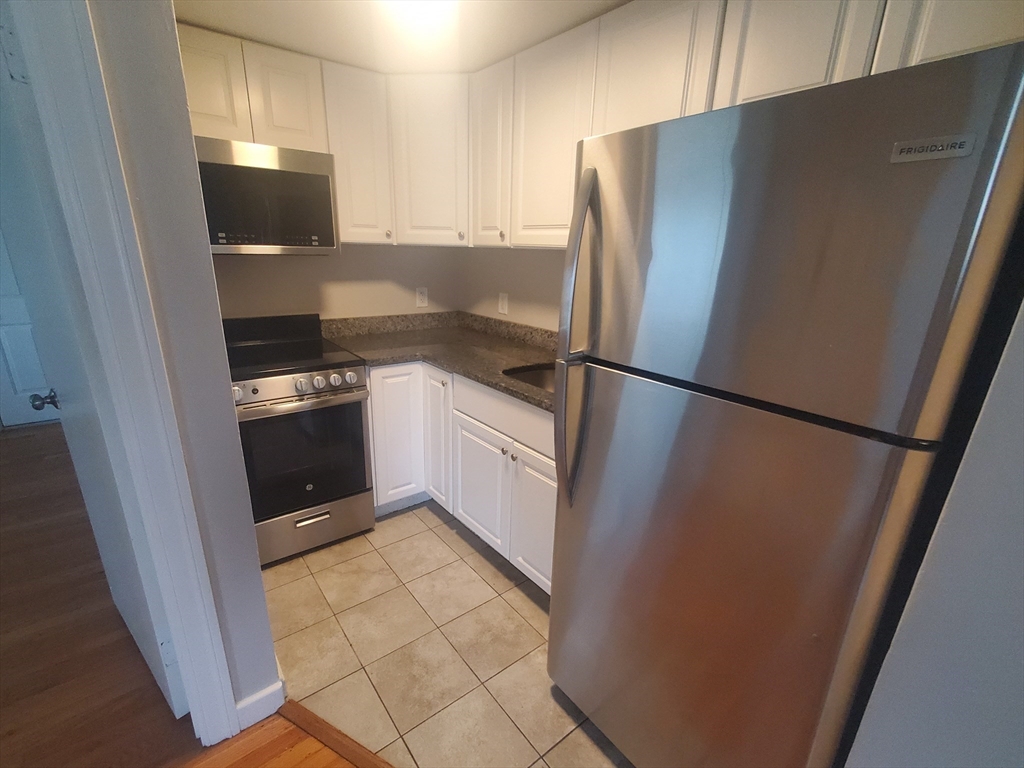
[421, 297]
[502, 303]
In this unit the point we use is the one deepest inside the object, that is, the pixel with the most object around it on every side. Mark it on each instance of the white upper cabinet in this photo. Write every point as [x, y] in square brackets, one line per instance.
[654, 62]
[554, 95]
[357, 132]
[286, 98]
[430, 153]
[490, 131]
[771, 48]
[215, 84]
[919, 31]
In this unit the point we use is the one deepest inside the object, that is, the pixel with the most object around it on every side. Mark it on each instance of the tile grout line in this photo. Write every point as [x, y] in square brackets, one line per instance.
[415, 762]
[386, 710]
[509, 716]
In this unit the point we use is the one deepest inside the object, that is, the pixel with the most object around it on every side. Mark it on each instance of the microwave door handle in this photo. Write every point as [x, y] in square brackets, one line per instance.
[581, 207]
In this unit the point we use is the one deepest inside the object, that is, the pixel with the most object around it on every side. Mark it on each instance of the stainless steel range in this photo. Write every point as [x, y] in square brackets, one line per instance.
[302, 406]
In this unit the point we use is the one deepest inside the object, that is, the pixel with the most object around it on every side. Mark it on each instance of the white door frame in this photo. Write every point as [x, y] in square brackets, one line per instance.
[63, 67]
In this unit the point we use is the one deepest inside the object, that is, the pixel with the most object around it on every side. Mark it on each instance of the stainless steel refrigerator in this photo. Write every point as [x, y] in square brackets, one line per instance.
[767, 311]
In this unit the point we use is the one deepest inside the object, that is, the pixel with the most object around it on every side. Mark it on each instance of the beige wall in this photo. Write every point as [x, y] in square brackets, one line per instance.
[532, 278]
[382, 280]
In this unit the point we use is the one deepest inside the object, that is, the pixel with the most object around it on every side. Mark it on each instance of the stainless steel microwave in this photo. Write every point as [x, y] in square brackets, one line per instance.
[267, 200]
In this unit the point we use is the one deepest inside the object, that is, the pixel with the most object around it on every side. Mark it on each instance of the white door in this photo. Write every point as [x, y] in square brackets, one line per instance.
[215, 84]
[37, 241]
[437, 435]
[554, 94]
[490, 131]
[919, 31]
[430, 153]
[482, 480]
[396, 402]
[356, 101]
[286, 98]
[21, 373]
[654, 62]
[771, 48]
[534, 498]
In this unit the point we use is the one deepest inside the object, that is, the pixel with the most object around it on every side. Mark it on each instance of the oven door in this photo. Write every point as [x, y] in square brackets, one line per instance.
[305, 453]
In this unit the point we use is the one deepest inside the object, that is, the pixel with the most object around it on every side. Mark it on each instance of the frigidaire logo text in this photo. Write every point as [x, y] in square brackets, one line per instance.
[933, 148]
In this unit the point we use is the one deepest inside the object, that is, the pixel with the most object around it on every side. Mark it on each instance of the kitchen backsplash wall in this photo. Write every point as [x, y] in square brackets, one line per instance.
[382, 280]
[532, 278]
[363, 280]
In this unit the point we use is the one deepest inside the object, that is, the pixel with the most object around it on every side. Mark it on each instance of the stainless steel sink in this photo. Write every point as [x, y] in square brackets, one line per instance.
[541, 375]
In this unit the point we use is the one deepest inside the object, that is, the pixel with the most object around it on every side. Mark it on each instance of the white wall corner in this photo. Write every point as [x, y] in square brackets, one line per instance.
[260, 705]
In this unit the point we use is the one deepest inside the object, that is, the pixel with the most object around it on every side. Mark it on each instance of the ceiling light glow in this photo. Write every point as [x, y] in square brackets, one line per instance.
[423, 21]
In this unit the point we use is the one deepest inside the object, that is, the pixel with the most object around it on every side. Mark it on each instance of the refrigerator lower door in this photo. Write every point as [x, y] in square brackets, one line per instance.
[707, 567]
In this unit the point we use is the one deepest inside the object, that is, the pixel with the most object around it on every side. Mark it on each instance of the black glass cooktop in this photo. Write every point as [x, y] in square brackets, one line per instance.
[279, 345]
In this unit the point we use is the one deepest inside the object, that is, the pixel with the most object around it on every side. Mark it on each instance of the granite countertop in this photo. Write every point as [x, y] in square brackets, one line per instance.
[475, 354]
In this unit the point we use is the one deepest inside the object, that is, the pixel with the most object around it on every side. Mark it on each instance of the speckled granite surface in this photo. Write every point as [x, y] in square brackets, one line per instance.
[359, 326]
[477, 355]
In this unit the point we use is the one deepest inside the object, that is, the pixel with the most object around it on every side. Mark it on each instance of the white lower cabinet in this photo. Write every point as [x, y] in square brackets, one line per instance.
[532, 512]
[437, 435]
[483, 480]
[478, 453]
[396, 415]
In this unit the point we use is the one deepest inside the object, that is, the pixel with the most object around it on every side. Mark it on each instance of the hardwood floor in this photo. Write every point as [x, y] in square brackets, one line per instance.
[271, 743]
[74, 689]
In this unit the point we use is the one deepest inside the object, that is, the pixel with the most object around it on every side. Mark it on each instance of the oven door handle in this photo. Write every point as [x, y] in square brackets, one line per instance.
[294, 406]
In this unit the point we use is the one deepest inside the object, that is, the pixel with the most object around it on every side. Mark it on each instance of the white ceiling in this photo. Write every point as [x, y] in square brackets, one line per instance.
[396, 36]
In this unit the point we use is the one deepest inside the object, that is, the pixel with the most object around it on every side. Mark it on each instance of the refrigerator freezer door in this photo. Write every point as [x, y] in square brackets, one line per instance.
[706, 569]
[773, 249]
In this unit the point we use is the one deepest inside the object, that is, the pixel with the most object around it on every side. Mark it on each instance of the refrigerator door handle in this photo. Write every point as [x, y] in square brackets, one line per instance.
[584, 199]
[570, 376]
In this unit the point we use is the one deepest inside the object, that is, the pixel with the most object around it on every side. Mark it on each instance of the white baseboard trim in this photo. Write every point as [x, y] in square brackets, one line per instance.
[397, 504]
[260, 705]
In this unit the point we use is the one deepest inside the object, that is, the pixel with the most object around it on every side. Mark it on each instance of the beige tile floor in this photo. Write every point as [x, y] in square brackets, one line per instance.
[426, 646]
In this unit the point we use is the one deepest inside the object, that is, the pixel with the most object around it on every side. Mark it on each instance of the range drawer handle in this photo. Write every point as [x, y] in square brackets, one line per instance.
[313, 519]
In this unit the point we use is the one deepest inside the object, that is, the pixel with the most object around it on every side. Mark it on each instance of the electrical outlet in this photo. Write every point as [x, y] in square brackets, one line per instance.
[502, 303]
[421, 297]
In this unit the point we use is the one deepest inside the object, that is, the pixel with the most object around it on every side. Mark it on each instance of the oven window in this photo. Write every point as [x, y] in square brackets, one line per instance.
[304, 459]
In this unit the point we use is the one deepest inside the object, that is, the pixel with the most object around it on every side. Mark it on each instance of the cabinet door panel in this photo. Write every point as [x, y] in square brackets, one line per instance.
[437, 435]
[490, 125]
[396, 400]
[356, 103]
[482, 480]
[430, 146]
[286, 97]
[788, 45]
[554, 93]
[534, 499]
[654, 62]
[215, 84]
[919, 31]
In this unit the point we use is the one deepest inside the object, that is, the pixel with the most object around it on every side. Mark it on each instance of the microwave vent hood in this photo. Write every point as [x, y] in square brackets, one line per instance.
[261, 199]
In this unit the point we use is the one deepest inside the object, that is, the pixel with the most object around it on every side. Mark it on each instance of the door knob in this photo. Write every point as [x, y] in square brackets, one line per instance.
[39, 402]
[504, 451]
[514, 457]
[501, 235]
[388, 234]
[462, 235]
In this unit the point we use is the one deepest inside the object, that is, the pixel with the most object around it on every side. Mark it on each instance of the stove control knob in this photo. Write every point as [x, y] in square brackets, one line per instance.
[237, 393]
[302, 385]
[335, 380]
[319, 382]
[351, 377]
